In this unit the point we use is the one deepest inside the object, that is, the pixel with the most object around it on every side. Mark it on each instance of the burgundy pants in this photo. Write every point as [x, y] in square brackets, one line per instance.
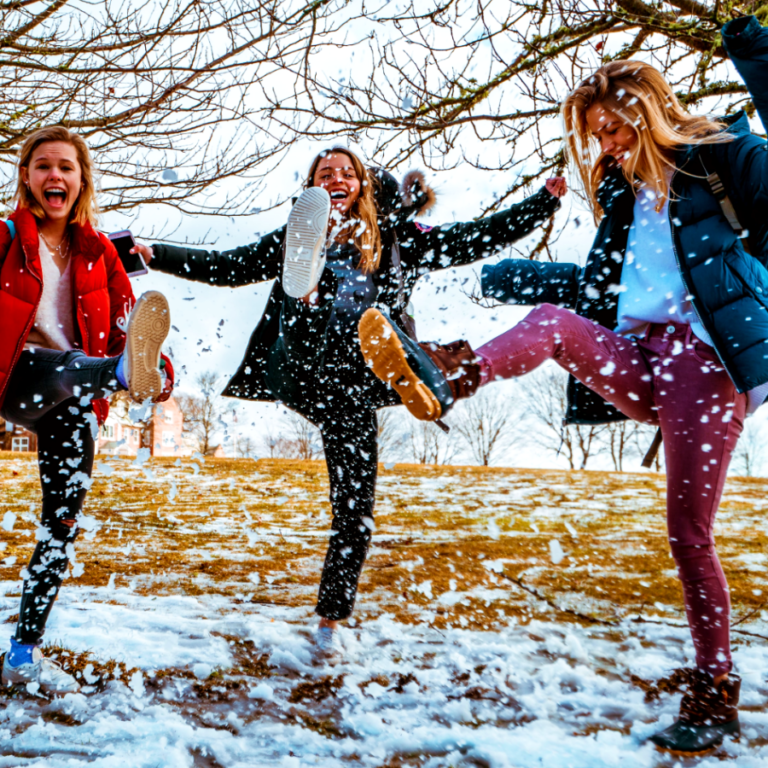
[671, 379]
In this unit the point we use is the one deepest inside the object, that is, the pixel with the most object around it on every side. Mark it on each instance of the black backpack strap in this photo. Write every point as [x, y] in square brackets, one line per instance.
[409, 324]
[653, 450]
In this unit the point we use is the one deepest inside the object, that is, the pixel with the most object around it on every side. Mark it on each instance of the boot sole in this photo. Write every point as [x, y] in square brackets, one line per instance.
[735, 735]
[147, 330]
[386, 357]
[700, 753]
[304, 240]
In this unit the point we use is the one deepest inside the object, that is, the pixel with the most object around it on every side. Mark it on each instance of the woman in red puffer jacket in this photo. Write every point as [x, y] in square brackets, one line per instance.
[65, 346]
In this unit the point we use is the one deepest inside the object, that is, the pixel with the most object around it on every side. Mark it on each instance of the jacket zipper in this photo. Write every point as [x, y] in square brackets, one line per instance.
[686, 285]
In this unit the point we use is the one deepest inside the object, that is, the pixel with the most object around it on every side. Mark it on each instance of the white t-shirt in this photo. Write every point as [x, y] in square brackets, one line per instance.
[652, 289]
[53, 327]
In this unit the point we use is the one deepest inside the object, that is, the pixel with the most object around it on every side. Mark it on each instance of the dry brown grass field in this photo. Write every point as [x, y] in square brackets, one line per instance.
[465, 549]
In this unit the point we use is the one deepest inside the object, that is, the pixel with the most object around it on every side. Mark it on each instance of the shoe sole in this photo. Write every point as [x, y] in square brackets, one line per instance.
[386, 357]
[304, 240]
[148, 328]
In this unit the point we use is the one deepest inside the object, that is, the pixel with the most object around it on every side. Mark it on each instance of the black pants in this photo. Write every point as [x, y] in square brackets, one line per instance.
[316, 368]
[50, 393]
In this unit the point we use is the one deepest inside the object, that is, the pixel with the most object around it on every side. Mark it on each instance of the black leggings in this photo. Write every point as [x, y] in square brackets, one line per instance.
[40, 398]
[316, 368]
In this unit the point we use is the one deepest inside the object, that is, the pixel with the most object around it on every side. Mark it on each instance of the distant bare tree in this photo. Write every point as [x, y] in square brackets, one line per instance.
[391, 436]
[244, 447]
[303, 438]
[299, 440]
[543, 397]
[748, 458]
[621, 441]
[430, 444]
[486, 423]
[203, 411]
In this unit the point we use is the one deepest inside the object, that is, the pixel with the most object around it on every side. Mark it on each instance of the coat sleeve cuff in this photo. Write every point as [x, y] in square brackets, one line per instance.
[166, 259]
[546, 201]
[488, 280]
[740, 35]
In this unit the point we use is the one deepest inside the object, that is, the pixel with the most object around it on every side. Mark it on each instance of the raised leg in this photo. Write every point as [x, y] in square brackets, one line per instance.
[44, 378]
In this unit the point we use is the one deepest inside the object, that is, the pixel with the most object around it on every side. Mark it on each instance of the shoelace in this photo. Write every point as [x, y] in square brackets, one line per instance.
[122, 322]
[54, 669]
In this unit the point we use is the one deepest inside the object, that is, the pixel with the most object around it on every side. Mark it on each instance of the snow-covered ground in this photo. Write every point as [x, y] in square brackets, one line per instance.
[448, 663]
[539, 695]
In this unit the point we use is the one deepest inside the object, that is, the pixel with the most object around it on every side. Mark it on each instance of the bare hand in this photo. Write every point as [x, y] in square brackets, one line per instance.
[146, 251]
[557, 186]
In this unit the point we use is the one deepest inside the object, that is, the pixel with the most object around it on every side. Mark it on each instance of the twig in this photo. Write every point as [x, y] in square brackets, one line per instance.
[533, 591]
[639, 619]
[748, 615]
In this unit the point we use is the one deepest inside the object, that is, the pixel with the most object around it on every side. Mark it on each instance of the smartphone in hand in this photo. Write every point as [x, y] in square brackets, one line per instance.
[133, 263]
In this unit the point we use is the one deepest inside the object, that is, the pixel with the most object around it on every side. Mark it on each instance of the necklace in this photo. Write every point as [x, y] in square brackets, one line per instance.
[62, 254]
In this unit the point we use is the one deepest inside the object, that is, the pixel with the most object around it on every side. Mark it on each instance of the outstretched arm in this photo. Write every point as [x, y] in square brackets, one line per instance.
[746, 158]
[747, 45]
[247, 264]
[440, 247]
[521, 281]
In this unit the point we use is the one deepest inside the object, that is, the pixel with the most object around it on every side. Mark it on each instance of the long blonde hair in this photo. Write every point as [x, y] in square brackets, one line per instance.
[362, 214]
[85, 208]
[642, 98]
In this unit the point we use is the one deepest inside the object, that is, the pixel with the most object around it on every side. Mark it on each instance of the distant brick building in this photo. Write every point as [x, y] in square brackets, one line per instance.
[16, 438]
[120, 436]
[166, 430]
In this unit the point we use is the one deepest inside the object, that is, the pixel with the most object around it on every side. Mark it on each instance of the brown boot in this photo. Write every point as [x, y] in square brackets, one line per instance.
[708, 713]
[428, 377]
[458, 363]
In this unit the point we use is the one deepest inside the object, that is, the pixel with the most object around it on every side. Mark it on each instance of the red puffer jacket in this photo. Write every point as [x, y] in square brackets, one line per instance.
[100, 288]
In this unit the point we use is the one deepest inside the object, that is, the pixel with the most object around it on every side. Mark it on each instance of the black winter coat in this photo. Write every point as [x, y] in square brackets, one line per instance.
[728, 286]
[422, 249]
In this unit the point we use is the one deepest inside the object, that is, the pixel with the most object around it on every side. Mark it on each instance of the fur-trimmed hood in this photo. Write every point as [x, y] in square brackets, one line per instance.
[414, 197]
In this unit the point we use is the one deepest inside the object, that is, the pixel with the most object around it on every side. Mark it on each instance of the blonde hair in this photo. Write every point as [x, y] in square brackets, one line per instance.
[85, 208]
[363, 215]
[638, 94]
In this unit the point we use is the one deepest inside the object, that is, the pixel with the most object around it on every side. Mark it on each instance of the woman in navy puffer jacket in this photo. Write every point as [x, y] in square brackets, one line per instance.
[666, 324]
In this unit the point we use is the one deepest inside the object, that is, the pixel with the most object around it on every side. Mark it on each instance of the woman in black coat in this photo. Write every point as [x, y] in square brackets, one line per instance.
[305, 351]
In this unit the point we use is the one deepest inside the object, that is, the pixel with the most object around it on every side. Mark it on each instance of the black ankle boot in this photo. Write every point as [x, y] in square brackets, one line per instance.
[708, 713]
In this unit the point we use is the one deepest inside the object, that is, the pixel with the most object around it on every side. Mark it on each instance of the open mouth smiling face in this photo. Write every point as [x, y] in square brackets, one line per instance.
[336, 174]
[54, 178]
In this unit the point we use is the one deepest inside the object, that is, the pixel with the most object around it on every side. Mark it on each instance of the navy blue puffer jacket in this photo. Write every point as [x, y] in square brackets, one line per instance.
[729, 287]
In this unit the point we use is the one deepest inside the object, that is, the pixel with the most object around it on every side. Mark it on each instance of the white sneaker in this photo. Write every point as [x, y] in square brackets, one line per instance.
[145, 333]
[41, 676]
[328, 645]
[305, 242]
